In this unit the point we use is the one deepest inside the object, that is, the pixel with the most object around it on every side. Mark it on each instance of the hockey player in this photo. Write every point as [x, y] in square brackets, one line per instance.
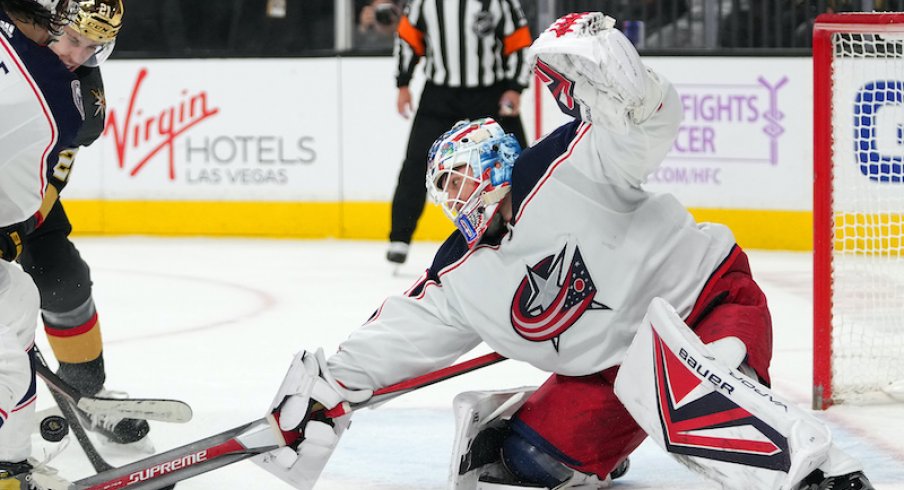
[62, 276]
[650, 323]
[41, 113]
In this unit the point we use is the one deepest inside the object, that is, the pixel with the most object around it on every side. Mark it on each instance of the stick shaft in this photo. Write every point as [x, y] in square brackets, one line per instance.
[258, 437]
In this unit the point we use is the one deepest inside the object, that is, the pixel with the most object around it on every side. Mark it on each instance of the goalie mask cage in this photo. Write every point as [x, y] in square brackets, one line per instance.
[858, 209]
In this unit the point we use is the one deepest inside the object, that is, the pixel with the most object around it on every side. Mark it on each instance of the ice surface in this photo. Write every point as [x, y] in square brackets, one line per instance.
[215, 322]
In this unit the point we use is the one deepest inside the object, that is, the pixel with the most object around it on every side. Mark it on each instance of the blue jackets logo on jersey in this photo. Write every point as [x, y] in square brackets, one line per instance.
[551, 298]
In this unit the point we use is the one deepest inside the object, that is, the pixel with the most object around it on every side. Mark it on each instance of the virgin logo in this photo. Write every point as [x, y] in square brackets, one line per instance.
[139, 137]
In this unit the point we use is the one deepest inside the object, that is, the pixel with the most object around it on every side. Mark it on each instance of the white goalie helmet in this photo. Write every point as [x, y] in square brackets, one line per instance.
[469, 170]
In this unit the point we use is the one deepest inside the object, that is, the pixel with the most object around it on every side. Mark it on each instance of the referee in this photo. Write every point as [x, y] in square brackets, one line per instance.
[475, 66]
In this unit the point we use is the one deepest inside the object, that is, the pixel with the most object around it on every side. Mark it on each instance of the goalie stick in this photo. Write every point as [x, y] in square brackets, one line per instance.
[160, 409]
[243, 442]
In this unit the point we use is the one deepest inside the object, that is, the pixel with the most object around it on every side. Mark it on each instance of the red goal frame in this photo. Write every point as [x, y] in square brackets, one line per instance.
[823, 220]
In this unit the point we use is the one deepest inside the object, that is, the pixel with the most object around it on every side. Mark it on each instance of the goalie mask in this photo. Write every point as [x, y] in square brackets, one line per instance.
[469, 170]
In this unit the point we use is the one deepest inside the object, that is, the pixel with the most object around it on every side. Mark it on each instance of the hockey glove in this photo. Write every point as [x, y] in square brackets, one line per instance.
[63, 169]
[12, 238]
[307, 392]
[594, 72]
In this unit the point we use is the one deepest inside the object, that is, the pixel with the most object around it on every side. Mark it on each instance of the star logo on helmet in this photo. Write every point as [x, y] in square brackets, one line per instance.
[552, 297]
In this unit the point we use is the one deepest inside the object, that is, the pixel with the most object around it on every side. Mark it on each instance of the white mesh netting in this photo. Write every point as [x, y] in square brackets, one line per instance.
[868, 212]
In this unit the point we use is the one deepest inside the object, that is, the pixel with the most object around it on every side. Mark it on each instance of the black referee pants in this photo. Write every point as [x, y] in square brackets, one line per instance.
[438, 109]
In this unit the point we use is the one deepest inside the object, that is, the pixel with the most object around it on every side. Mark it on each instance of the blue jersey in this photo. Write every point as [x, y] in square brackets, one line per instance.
[40, 114]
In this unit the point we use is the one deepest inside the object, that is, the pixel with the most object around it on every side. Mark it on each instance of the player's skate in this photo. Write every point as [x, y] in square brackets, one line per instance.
[116, 429]
[851, 481]
[26, 476]
[620, 470]
[16, 476]
[397, 252]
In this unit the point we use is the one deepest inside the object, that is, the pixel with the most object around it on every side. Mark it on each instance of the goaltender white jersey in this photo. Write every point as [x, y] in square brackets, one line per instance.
[567, 287]
[40, 113]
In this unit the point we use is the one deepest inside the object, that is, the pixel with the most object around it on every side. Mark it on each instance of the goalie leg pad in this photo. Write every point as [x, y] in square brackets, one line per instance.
[480, 420]
[711, 417]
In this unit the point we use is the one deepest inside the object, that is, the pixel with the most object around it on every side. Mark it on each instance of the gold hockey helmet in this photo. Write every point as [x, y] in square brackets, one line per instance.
[98, 20]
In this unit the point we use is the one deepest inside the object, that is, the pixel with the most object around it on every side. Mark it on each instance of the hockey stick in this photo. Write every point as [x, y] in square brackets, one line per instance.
[243, 442]
[160, 409]
[392, 391]
[94, 457]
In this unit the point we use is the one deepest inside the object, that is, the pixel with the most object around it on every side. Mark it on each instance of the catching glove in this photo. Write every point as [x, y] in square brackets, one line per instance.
[307, 392]
[594, 72]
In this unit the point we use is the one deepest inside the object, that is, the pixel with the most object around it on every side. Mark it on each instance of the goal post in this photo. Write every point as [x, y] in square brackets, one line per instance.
[858, 207]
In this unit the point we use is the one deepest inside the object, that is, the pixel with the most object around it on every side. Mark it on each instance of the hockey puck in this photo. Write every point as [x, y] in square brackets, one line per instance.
[54, 428]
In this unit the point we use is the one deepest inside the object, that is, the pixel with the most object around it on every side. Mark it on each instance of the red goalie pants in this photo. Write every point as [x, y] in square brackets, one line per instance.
[582, 423]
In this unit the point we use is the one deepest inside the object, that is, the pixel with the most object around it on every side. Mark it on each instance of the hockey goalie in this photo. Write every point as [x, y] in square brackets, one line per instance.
[649, 323]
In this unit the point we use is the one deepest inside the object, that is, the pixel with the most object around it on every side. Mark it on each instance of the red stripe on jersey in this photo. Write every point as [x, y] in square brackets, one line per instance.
[26, 403]
[47, 114]
[72, 332]
[455, 265]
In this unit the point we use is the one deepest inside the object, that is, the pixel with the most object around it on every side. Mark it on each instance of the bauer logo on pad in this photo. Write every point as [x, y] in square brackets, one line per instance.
[699, 420]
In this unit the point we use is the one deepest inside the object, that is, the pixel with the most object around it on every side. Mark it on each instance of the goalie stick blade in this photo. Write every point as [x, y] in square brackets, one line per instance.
[160, 409]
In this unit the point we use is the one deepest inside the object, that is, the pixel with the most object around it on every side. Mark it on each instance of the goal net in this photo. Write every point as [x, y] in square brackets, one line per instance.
[858, 212]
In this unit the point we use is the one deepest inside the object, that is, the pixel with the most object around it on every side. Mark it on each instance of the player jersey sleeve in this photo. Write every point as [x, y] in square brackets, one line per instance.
[630, 158]
[407, 337]
[92, 85]
[95, 105]
[514, 34]
[410, 44]
[410, 334]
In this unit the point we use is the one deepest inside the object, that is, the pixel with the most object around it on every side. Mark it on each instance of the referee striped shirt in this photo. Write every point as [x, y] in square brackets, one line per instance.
[466, 43]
